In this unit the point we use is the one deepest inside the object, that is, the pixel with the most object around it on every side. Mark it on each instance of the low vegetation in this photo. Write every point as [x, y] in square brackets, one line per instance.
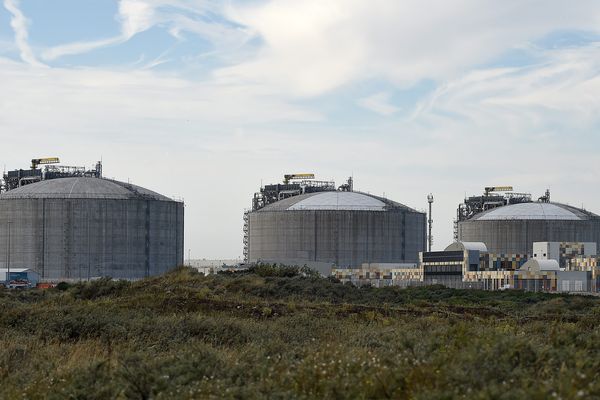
[284, 333]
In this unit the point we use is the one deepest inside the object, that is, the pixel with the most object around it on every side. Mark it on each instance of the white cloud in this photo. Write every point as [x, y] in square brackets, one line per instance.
[19, 24]
[137, 16]
[561, 91]
[56, 52]
[312, 47]
[379, 103]
[88, 95]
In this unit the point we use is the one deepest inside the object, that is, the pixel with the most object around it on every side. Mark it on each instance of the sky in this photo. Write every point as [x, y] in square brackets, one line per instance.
[205, 100]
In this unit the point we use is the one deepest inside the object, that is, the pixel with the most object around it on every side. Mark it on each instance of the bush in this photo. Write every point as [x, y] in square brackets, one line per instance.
[99, 288]
[283, 332]
[282, 271]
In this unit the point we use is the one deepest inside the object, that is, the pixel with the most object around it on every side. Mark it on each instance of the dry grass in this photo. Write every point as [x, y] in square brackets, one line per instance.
[287, 334]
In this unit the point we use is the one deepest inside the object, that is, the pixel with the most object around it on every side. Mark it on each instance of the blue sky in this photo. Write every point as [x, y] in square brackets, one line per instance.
[205, 99]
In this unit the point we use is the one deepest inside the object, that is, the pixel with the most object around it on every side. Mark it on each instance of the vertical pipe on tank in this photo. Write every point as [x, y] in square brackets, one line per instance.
[147, 240]
[8, 254]
[430, 221]
[43, 274]
[88, 243]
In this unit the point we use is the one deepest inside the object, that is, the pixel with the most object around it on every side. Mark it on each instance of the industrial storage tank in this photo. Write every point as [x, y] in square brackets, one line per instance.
[344, 228]
[514, 228]
[80, 228]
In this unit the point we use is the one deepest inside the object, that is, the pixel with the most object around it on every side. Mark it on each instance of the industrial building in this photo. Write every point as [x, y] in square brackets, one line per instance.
[512, 222]
[303, 221]
[465, 265]
[381, 274]
[589, 264]
[563, 252]
[470, 265]
[66, 223]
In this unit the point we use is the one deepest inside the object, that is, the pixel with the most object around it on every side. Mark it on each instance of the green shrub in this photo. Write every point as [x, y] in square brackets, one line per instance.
[282, 271]
[283, 332]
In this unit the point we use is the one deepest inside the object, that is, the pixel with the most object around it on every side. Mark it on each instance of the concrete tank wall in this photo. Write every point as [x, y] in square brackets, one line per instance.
[85, 238]
[517, 236]
[346, 238]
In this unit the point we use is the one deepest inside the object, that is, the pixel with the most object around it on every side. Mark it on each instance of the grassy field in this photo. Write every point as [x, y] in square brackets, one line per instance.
[274, 333]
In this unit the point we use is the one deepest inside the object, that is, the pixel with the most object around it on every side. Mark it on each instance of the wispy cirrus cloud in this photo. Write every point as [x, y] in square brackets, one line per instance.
[56, 52]
[20, 26]
[379, 103]
[135, 16]
[561, 90]
[176, 16]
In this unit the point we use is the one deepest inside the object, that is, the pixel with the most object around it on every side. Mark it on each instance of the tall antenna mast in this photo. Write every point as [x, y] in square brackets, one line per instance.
[430, 221]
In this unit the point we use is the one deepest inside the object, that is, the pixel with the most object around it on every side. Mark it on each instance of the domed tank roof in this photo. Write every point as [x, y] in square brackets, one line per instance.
[82, 188]
[335, 200]
[535, 211]
[469, 246]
